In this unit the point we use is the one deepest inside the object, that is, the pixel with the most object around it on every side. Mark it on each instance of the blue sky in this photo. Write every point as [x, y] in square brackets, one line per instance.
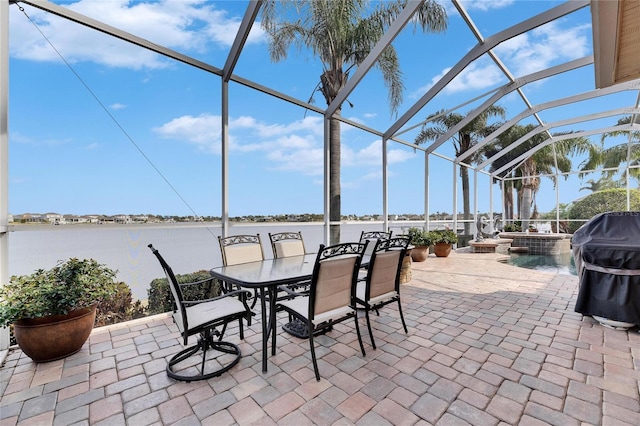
[123, 130]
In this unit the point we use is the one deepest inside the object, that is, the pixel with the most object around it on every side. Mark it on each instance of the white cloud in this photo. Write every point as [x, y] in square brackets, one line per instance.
[533, 51]
[371, 155]
[296, 146]
[477, 76]
[188, 25]
[485, 5]
[118, 106]
[202, 131]
[544, 47]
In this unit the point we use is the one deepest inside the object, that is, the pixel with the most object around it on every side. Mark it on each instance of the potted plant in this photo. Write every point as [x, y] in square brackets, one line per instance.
[53, 311]
[421, 240]
[443, 240]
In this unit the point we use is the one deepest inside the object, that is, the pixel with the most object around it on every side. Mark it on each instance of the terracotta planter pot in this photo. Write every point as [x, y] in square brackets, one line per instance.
[54, 337]
[442, 249]
[419, 253]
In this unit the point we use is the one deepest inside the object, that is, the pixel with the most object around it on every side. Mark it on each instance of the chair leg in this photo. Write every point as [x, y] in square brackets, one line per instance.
[355, 318]
[366, 313]
[241, 329]
[402, 317]
[313, 350]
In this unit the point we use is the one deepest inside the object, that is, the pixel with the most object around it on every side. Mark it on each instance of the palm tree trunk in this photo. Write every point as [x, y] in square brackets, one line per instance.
[334, 179]
[464, 176]
[508, 202]
[528, 184]
[525, 206]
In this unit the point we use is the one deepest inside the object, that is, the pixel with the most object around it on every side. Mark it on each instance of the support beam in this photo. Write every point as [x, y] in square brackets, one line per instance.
[549, 126]
[241, 38]
[505, 91]
[634, 85]
[533, 150]
[385, 185]
[373, 56]
[479, 50]
[4, 158]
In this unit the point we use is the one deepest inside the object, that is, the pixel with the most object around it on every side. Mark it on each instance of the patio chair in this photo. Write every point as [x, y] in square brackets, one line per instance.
[239, 249]
[382, 285]
[286, 244]
[203, 318]
[331, 296]
[373, 237]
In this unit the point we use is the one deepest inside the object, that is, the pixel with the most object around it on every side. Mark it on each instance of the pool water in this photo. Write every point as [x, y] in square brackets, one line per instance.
[559, 264]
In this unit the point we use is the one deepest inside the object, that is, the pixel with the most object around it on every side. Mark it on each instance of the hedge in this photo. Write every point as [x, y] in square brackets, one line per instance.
[160, 299]
[608, 200]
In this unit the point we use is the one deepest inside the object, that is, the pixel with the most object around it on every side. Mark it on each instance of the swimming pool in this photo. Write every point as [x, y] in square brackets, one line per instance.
[559, 264]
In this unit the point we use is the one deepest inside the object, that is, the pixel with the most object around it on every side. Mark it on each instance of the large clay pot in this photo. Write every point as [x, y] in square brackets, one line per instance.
[419, 253]
[442, 249]
[54, 337]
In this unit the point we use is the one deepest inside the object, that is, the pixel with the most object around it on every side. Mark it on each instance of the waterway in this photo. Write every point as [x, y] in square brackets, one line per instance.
[186, 247]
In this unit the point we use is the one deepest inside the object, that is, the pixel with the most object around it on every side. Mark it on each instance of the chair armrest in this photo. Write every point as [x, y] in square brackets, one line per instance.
[197, 282]
[291, 292]
[222, 296]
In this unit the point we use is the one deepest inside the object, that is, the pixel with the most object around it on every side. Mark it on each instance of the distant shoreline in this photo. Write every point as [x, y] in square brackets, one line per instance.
[67, 227]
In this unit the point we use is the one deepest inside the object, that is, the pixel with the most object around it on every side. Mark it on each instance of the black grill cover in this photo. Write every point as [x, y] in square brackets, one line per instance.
[607, 254]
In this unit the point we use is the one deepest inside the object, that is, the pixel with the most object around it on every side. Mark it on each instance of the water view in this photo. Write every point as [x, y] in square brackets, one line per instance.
[186, 247]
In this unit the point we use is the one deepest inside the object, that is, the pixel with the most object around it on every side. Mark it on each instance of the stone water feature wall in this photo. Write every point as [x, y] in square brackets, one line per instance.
[539, 243]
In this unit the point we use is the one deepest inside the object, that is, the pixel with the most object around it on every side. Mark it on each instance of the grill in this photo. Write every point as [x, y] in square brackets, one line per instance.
[606, 251]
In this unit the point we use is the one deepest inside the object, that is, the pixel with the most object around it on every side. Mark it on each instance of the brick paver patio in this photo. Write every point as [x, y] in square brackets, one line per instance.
[488, 344]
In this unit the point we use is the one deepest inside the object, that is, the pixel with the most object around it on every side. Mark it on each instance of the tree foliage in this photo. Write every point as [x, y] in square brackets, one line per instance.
[549, 160]
[600, 202]
[439, 124]
[624, 154]
[342, 33]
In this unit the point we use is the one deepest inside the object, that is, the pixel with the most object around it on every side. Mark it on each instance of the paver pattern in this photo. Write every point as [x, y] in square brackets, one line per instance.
[488, 344]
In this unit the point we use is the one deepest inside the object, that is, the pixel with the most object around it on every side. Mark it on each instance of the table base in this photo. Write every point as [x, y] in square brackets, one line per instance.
[299, 329]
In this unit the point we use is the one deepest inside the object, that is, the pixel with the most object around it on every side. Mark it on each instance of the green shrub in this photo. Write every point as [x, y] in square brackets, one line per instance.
[608, 200]
[160, 299]
[419, 237]
[512, 227]
[119, 307]
[443, 236]
[70, 285]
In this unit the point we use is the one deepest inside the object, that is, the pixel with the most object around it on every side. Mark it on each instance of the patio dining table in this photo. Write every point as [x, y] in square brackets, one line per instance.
[266, 276]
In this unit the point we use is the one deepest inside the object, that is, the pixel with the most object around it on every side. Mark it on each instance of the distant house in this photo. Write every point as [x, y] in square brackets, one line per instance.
[92, 218]
[55, 218]
[141, 218]
[75, 219]
[28, 218]
[122, 219]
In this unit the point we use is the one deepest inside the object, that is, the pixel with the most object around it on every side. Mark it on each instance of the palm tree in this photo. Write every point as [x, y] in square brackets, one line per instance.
[466, 138]
[340, 34]
[605, 182]
[503, 140]
[550, 159]
[611, 158]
